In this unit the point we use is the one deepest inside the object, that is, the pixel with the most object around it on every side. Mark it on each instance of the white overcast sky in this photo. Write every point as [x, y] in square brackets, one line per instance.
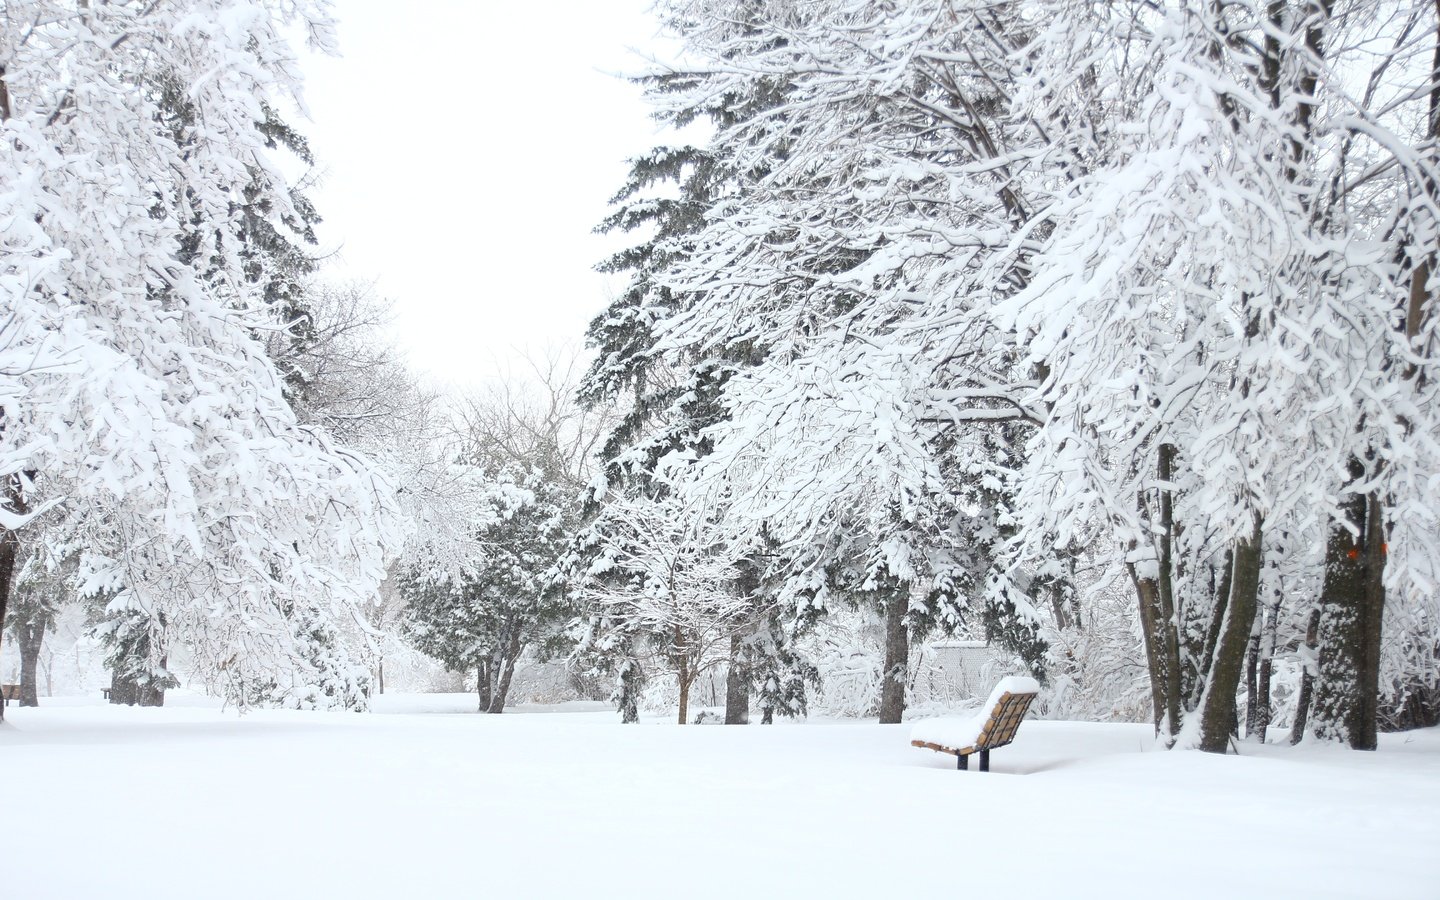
[468, 150]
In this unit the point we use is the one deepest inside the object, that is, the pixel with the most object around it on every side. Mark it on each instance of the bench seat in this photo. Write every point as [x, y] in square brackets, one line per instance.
[993, 725]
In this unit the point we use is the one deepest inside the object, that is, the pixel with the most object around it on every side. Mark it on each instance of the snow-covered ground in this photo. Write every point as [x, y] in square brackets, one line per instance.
[427, 799]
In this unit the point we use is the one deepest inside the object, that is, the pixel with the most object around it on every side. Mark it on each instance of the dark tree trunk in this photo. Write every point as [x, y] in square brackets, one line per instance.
[1252, 675]
[1262, 710]
[897, 655]
[1146, 594]
[1169, 624]
[380, 676]
[482, 685]
[632, 680]
[1158, 621]
[30, 637]
[737, 685]
[1352, 606]
[684, 676]
[1214, 626]
[9, 540]
[684, 671]
[1309, 656]
[1217, 713]
[510, 656]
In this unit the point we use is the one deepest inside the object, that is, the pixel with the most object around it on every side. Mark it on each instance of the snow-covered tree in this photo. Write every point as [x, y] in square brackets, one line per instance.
[507, 599]
[129, 358]
[658, 593]
[1048, 290]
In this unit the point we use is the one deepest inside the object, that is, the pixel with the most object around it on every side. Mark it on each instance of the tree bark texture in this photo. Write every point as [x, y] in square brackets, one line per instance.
[1252, 674]
[30, 636]
[1309, 656]
[632, 680]
[1159, 619]
[1217, 712]
[1352, 607]
[737, 684]
[685, 678]
[482, 685]
[509, 657]
[1262, 710]
[897, 655]
[9, 540]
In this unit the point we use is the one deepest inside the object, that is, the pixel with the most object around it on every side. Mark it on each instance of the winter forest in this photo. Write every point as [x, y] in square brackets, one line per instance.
[1090, 350]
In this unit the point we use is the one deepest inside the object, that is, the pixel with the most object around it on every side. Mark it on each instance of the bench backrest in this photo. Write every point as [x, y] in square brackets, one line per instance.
[1004, 720]
[10, 691]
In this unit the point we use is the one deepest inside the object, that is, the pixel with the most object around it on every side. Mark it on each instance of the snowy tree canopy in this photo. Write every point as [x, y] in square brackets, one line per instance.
[134, 384]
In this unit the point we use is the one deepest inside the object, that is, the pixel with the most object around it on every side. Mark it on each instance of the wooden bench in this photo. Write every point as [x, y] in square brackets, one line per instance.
[9, 692]
[994, 725]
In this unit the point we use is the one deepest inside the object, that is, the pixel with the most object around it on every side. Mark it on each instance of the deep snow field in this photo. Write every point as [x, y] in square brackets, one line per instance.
[427, 799]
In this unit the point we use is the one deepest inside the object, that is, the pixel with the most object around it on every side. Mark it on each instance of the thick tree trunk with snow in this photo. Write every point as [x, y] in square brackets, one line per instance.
[1261, 710]
[482, 685]
[510, 656]
[897, 656]
[1252, 674]
[1154, 592]
[1352, 609]
[1162, 655]
[30, 636]
[1146, 594]
[632, 680]
[1309, 656]
[737, 685]
[1217, 710]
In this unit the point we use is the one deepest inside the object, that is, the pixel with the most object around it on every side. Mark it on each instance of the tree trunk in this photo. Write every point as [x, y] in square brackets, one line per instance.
[1146, 592]
[1309, 668]
[897, 655]
[1252, 674]
[9, 540]
[1352, 608]
[507, 671]
[380, 676]
[684, 677]
[737, 685]
[482, 685]
[632, 679]
[1169, 634]
[1159, 623]
[1217, 710]
[1261, 721]
[1213, 627]
[30, 636]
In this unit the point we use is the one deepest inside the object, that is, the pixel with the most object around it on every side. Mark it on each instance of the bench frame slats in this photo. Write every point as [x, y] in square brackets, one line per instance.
[1001, 724]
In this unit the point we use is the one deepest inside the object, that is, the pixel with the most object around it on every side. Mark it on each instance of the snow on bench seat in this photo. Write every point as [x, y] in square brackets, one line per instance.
[994, 725]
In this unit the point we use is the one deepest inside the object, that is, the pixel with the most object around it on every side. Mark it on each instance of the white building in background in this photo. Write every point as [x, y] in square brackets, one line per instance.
[953, 671]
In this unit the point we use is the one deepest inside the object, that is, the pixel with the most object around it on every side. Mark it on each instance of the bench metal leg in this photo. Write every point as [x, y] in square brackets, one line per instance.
[984, 760]
[962, 761]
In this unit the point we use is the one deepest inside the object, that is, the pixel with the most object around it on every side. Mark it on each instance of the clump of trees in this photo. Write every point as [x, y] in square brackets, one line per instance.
[189, 421]
[986, 315]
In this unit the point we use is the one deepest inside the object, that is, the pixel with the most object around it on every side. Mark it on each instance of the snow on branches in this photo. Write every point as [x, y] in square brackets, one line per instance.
[133, 383]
